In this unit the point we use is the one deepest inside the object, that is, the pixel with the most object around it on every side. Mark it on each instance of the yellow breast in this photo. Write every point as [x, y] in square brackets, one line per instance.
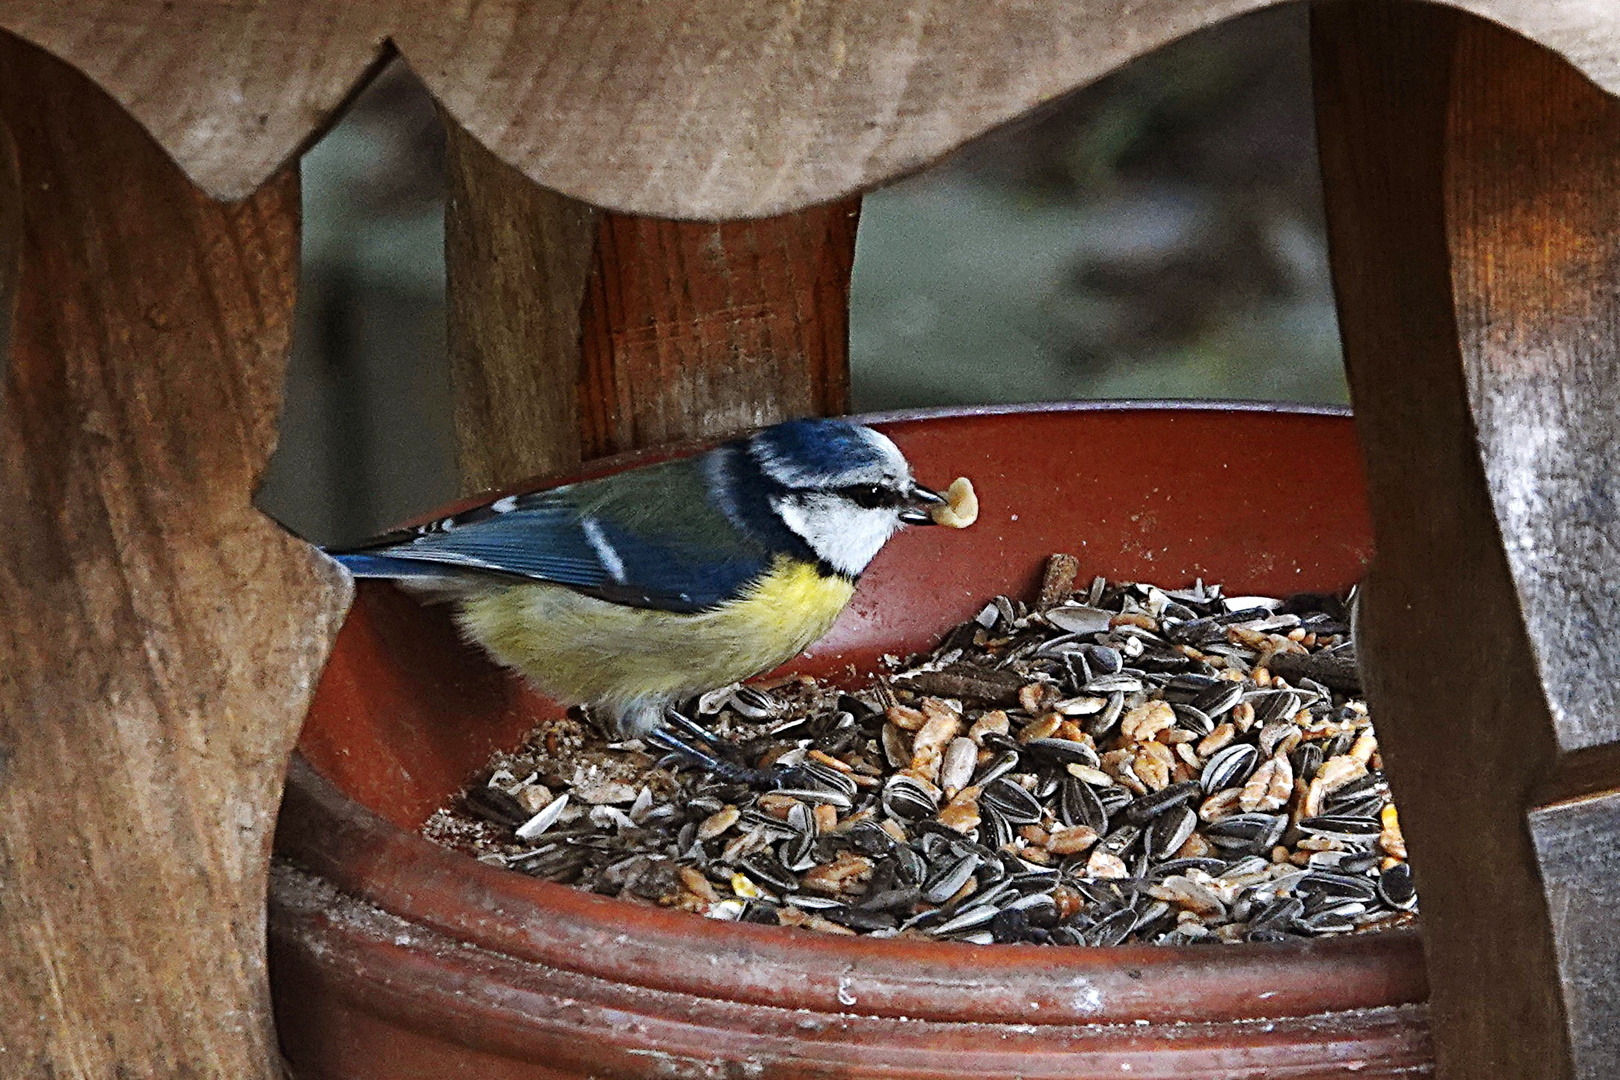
[580, 649]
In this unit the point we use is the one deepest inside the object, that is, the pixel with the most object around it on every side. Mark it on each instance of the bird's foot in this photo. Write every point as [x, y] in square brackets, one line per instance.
[710, 758]
[723, 769]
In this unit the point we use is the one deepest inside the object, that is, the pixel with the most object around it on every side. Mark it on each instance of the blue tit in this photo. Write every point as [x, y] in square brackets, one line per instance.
[630, 593]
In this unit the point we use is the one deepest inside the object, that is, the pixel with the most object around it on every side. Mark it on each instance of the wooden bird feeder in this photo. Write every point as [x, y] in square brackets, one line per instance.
[164, 639]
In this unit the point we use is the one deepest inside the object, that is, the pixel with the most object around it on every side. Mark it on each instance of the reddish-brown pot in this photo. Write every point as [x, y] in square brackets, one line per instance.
[393, 958]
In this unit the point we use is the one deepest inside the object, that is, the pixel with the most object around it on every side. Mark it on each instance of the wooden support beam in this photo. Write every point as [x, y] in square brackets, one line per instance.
[516, 256]
[160, 638]
[1473, 195]
[695, 330]
[576, 334]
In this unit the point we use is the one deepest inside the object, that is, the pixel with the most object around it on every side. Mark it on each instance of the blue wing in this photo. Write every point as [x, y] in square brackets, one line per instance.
[650, 538]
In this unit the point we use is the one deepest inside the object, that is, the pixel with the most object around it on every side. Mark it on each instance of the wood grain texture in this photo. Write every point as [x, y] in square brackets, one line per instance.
[575, 335]
[688, 108]
[1535, 222]
[161, 637]
[695, 331]
[1470, 180]
[1533, 202]
[1580, 865]
[516, 260]
[11, 232]
[229, 90]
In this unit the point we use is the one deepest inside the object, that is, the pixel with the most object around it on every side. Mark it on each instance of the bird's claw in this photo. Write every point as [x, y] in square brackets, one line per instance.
[722, 768]
[713, 760]
[675, 718]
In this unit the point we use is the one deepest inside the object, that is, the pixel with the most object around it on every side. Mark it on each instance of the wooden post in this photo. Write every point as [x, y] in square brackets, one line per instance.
[1473, 191]
[695, 330]
[160, 637]
[575, 334]
[516, 256]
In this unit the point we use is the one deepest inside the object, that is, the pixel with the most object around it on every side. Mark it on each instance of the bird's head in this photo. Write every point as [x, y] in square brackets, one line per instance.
[845, 488]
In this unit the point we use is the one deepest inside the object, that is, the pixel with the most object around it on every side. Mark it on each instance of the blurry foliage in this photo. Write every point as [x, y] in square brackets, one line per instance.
[1158, 233]
[366, 428]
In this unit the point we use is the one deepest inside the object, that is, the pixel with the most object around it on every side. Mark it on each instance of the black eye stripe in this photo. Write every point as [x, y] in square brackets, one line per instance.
[871, 496]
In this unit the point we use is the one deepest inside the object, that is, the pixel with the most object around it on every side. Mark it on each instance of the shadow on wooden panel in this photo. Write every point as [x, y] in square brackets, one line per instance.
[11, 229]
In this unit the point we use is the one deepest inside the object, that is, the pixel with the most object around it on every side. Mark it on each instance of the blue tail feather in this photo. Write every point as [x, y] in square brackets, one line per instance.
[364, 565]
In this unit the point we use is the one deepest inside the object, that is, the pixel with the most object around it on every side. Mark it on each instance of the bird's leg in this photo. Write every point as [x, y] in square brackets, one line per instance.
[729, 771]
[712, 759]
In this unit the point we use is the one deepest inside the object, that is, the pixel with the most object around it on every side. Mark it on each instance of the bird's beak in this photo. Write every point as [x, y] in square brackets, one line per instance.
[921, 499]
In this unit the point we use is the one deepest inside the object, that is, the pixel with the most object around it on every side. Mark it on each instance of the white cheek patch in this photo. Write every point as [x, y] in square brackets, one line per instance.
[846, 537]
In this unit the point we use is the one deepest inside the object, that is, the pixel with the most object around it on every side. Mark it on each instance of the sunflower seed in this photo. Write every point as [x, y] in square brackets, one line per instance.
[996, 830]
[909, 798]
[1194, 719]
[1169, 831]
[1078, 804]
[1217, 699]
[1121, 840]
[1327, 883]
[1063, 752]
[763, 866]
[1003, 763]
[1395, 887]
[1230, 767]
[1113, 929]
[970, 919]
[752, 703]
[1276, 706]
[1342, 827]
[1016, 805]
[949, 879]
[1154, 803]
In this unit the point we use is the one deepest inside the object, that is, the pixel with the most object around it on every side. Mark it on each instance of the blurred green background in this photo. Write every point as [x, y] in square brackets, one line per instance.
[1157, 234]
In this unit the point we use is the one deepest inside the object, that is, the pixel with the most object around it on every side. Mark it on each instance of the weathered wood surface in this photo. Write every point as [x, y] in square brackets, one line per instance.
[161, 637]
[1580, 869]
[1474, 217]
[692, 331]
[516, 259]
[691, 108]
[576, 334]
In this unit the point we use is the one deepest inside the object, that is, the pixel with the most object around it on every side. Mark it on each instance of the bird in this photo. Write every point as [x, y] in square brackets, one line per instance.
[633, 592]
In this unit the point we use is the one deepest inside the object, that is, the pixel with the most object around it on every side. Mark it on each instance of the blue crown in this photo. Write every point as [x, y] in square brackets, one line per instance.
[807, 453]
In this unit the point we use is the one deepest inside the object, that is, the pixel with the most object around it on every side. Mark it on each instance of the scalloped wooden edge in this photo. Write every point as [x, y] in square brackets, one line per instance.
[702, 109]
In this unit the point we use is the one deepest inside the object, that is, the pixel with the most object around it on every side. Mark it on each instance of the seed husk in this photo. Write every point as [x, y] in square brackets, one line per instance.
[1170, 831]
[721, 820]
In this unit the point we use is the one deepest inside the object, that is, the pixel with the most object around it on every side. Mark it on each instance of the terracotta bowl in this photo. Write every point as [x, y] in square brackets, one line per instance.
[394, 958]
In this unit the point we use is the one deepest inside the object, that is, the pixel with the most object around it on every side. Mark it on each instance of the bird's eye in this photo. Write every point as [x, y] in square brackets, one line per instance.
[868, 496]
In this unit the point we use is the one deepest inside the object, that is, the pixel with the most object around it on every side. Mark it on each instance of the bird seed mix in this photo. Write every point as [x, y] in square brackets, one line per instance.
[1117, 763]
